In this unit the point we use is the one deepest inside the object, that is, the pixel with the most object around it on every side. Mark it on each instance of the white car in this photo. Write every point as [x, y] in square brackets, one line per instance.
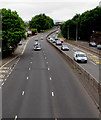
[80, 57]
[37, 47]
[64, 47]
[58, 42]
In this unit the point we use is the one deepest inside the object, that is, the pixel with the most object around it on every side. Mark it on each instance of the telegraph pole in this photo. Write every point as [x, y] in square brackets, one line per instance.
[76, 31]
[68, 32]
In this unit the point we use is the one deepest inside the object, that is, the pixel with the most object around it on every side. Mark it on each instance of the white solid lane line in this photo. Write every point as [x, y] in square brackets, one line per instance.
[25, 47]
[93, 62]
[50, 78]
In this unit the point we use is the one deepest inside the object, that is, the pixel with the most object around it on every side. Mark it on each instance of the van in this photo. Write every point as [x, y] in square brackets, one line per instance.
[80, 57]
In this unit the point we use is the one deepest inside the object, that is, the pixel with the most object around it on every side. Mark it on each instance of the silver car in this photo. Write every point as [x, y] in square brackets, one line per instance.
[58, 42]
[64, 47]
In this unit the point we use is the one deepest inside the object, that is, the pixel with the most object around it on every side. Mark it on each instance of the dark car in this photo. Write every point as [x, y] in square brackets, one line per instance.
[64, 47]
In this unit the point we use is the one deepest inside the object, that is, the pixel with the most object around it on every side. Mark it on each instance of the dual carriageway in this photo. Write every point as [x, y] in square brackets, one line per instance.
[40, 84]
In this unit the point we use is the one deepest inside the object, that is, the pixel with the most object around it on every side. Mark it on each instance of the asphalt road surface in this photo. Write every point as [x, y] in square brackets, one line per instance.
[42, 85]
[92, 66]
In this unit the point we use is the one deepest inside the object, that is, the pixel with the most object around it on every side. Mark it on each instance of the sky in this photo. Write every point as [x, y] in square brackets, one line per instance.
[56, 9]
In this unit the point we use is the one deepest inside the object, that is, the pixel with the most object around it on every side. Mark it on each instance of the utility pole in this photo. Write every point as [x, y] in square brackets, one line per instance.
[68, 32]
[76, 31]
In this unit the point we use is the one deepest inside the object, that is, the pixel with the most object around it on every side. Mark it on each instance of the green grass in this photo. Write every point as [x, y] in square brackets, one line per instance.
[0, 31]
[60, 35]
[46, 30]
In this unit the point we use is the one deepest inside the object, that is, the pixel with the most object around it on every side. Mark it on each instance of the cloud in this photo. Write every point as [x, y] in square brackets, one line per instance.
[57, 10]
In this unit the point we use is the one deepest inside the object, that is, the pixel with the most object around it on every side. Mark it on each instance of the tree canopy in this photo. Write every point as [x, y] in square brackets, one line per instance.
[41, 22]
[13, 29]
[83, 24]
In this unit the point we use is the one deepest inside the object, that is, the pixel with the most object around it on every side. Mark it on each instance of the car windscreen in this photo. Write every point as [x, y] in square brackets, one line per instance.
[81, 55]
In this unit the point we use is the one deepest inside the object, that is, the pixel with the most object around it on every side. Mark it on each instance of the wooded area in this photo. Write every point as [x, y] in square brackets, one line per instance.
[82, 26]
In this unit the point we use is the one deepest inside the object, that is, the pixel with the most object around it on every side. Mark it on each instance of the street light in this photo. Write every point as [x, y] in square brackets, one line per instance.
[68, 32]
[76, 31]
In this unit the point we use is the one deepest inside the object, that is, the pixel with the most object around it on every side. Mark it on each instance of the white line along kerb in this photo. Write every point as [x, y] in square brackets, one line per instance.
[15, 117]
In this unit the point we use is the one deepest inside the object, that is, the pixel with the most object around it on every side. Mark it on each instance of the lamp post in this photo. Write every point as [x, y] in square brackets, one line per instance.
[68, 32]
[76, 31]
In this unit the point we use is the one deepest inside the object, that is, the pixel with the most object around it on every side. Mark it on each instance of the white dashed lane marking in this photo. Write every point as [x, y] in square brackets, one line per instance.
[50, 78]
[15, 117]
[2, 83]
[23, 92]
[48, 68]
[5, 79]
[27, 78]
[53, 94]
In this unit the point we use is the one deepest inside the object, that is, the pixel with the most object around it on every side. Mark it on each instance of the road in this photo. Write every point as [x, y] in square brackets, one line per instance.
[92, 67]
[42, 85]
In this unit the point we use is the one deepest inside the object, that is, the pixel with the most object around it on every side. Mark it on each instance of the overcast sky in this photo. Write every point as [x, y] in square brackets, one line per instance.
[56, 9]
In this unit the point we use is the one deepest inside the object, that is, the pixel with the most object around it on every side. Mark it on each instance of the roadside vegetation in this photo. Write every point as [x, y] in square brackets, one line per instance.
[82, 26]
[60, 35]
[13, 30]
[41, 22]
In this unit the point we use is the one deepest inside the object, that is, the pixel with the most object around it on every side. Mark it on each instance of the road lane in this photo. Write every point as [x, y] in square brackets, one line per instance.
[33, 85]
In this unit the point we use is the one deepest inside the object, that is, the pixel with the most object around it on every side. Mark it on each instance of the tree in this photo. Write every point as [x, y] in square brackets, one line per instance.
[90, 21]
[41, 22]
[13, 29]
[85, 23]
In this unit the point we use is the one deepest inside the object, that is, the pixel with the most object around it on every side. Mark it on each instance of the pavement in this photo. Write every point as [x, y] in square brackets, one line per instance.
[16, 53]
